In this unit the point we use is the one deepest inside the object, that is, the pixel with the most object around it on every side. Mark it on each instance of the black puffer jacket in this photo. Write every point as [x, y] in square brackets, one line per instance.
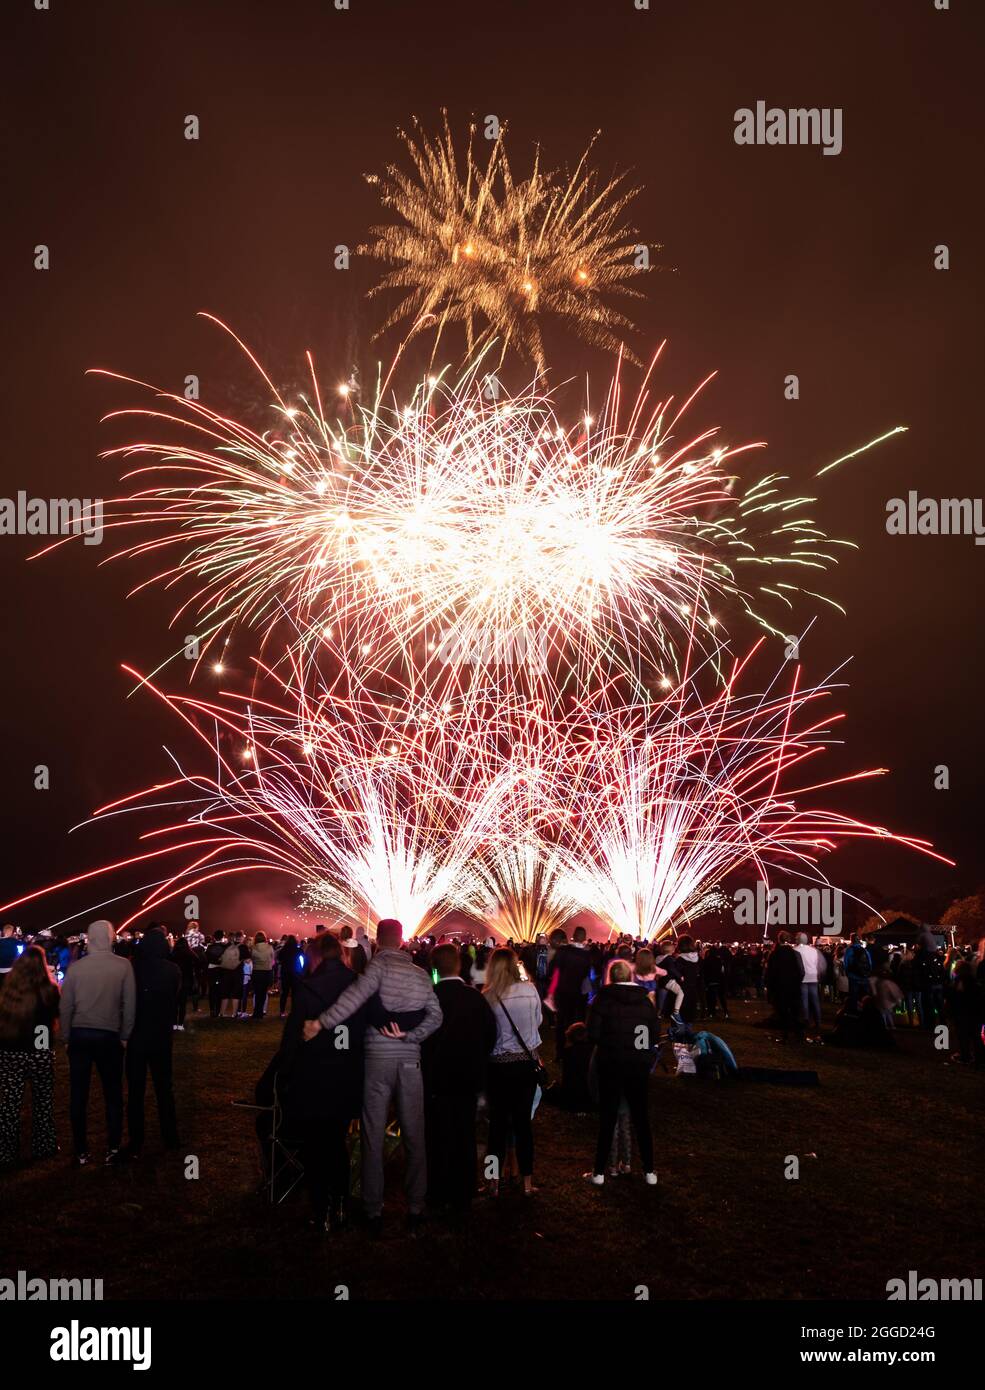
[622, 1023]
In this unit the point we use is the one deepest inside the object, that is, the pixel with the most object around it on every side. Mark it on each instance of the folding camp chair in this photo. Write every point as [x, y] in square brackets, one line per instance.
[280, 1156]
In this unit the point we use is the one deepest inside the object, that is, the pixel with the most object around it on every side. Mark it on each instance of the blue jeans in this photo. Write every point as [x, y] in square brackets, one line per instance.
[810, 1004]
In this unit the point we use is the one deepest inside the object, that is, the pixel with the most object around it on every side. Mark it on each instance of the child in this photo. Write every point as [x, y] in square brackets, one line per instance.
[647, 973]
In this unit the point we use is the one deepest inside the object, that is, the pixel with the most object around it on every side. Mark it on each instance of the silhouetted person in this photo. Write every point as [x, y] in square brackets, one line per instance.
[321, 1083]
[622, 1023]
[152, 1041]
[567, 978]
[455, 1063]
[784, 974]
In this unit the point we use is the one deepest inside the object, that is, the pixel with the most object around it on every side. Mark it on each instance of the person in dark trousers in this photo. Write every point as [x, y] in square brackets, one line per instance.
[622, 1023]
[287, 963]
[688, 966]
[567, 992]
[321, 1083]
[393, 1066]
[784, 974]
[151, 1043]
[713, 963]
[514, 1066]
[859, 970]
[28, 1014]
[184, 959]
[263, 973]
[213, 964]
[454, 1062]
[96, 1015]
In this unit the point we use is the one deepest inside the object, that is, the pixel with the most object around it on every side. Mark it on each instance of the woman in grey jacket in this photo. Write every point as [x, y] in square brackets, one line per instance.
[512, 1075]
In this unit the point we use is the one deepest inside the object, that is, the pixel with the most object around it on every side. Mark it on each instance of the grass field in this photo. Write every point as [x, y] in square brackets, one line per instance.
[889, 1149]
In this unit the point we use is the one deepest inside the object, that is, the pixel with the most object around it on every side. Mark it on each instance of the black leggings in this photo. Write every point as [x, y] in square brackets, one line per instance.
[510, 1090]
[325, 1155]
[616, 1081]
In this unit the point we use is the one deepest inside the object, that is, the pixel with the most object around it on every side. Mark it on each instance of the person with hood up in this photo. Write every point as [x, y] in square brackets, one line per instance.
[96, 1014]
[622, 1023]
[158, 982]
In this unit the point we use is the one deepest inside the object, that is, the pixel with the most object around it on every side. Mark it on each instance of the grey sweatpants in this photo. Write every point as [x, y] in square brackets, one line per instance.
[398, 1078]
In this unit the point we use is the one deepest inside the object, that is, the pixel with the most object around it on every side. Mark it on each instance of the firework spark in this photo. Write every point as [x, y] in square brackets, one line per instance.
[505, 808]
[673, 802]
[477, 247]
[370, 810]
[467, 532]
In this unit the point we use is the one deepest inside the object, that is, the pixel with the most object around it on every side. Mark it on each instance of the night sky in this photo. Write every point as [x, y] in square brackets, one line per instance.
[774, 261]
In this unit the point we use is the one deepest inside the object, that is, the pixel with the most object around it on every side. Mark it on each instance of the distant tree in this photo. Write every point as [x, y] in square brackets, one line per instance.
[967, 917]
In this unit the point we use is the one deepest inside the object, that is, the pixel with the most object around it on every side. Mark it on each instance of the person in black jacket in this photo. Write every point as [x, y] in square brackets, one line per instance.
[454, 1065]
[622, 1023]
[713, 972]
[158, 982]
[213, 965]
[184, 959]
[784, 973]
[688, 964]
[288, 958]
[567, 994]
[320, 1083]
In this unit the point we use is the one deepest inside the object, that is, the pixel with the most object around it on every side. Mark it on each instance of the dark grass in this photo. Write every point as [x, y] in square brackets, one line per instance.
[892, 1186]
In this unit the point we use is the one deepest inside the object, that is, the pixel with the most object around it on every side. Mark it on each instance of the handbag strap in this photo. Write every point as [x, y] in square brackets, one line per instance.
[519, 1035]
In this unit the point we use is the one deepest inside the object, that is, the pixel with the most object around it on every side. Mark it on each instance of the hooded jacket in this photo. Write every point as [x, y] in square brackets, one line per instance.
[99, 990]
[158, 982]
[623, 1025]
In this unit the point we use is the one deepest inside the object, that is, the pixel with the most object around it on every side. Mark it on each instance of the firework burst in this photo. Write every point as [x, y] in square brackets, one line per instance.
[464, 532]
[673, 800]
[475, 246]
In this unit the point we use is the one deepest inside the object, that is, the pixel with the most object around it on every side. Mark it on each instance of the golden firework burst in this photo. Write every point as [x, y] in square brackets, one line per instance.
[473, 245]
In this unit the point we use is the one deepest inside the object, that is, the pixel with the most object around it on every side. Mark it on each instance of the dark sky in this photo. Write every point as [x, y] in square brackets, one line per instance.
[774, 261]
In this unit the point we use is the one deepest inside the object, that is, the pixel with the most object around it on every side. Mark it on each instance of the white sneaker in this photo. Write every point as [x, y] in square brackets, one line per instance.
[596, 1179]
[651, 1179]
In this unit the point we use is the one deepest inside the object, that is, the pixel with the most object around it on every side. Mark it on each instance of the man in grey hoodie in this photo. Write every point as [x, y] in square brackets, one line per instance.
[96, 1013]
[393, 1066]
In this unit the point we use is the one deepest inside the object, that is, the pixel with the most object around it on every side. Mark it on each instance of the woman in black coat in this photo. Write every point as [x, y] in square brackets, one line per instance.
[320, 1083]
[623, 1025]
